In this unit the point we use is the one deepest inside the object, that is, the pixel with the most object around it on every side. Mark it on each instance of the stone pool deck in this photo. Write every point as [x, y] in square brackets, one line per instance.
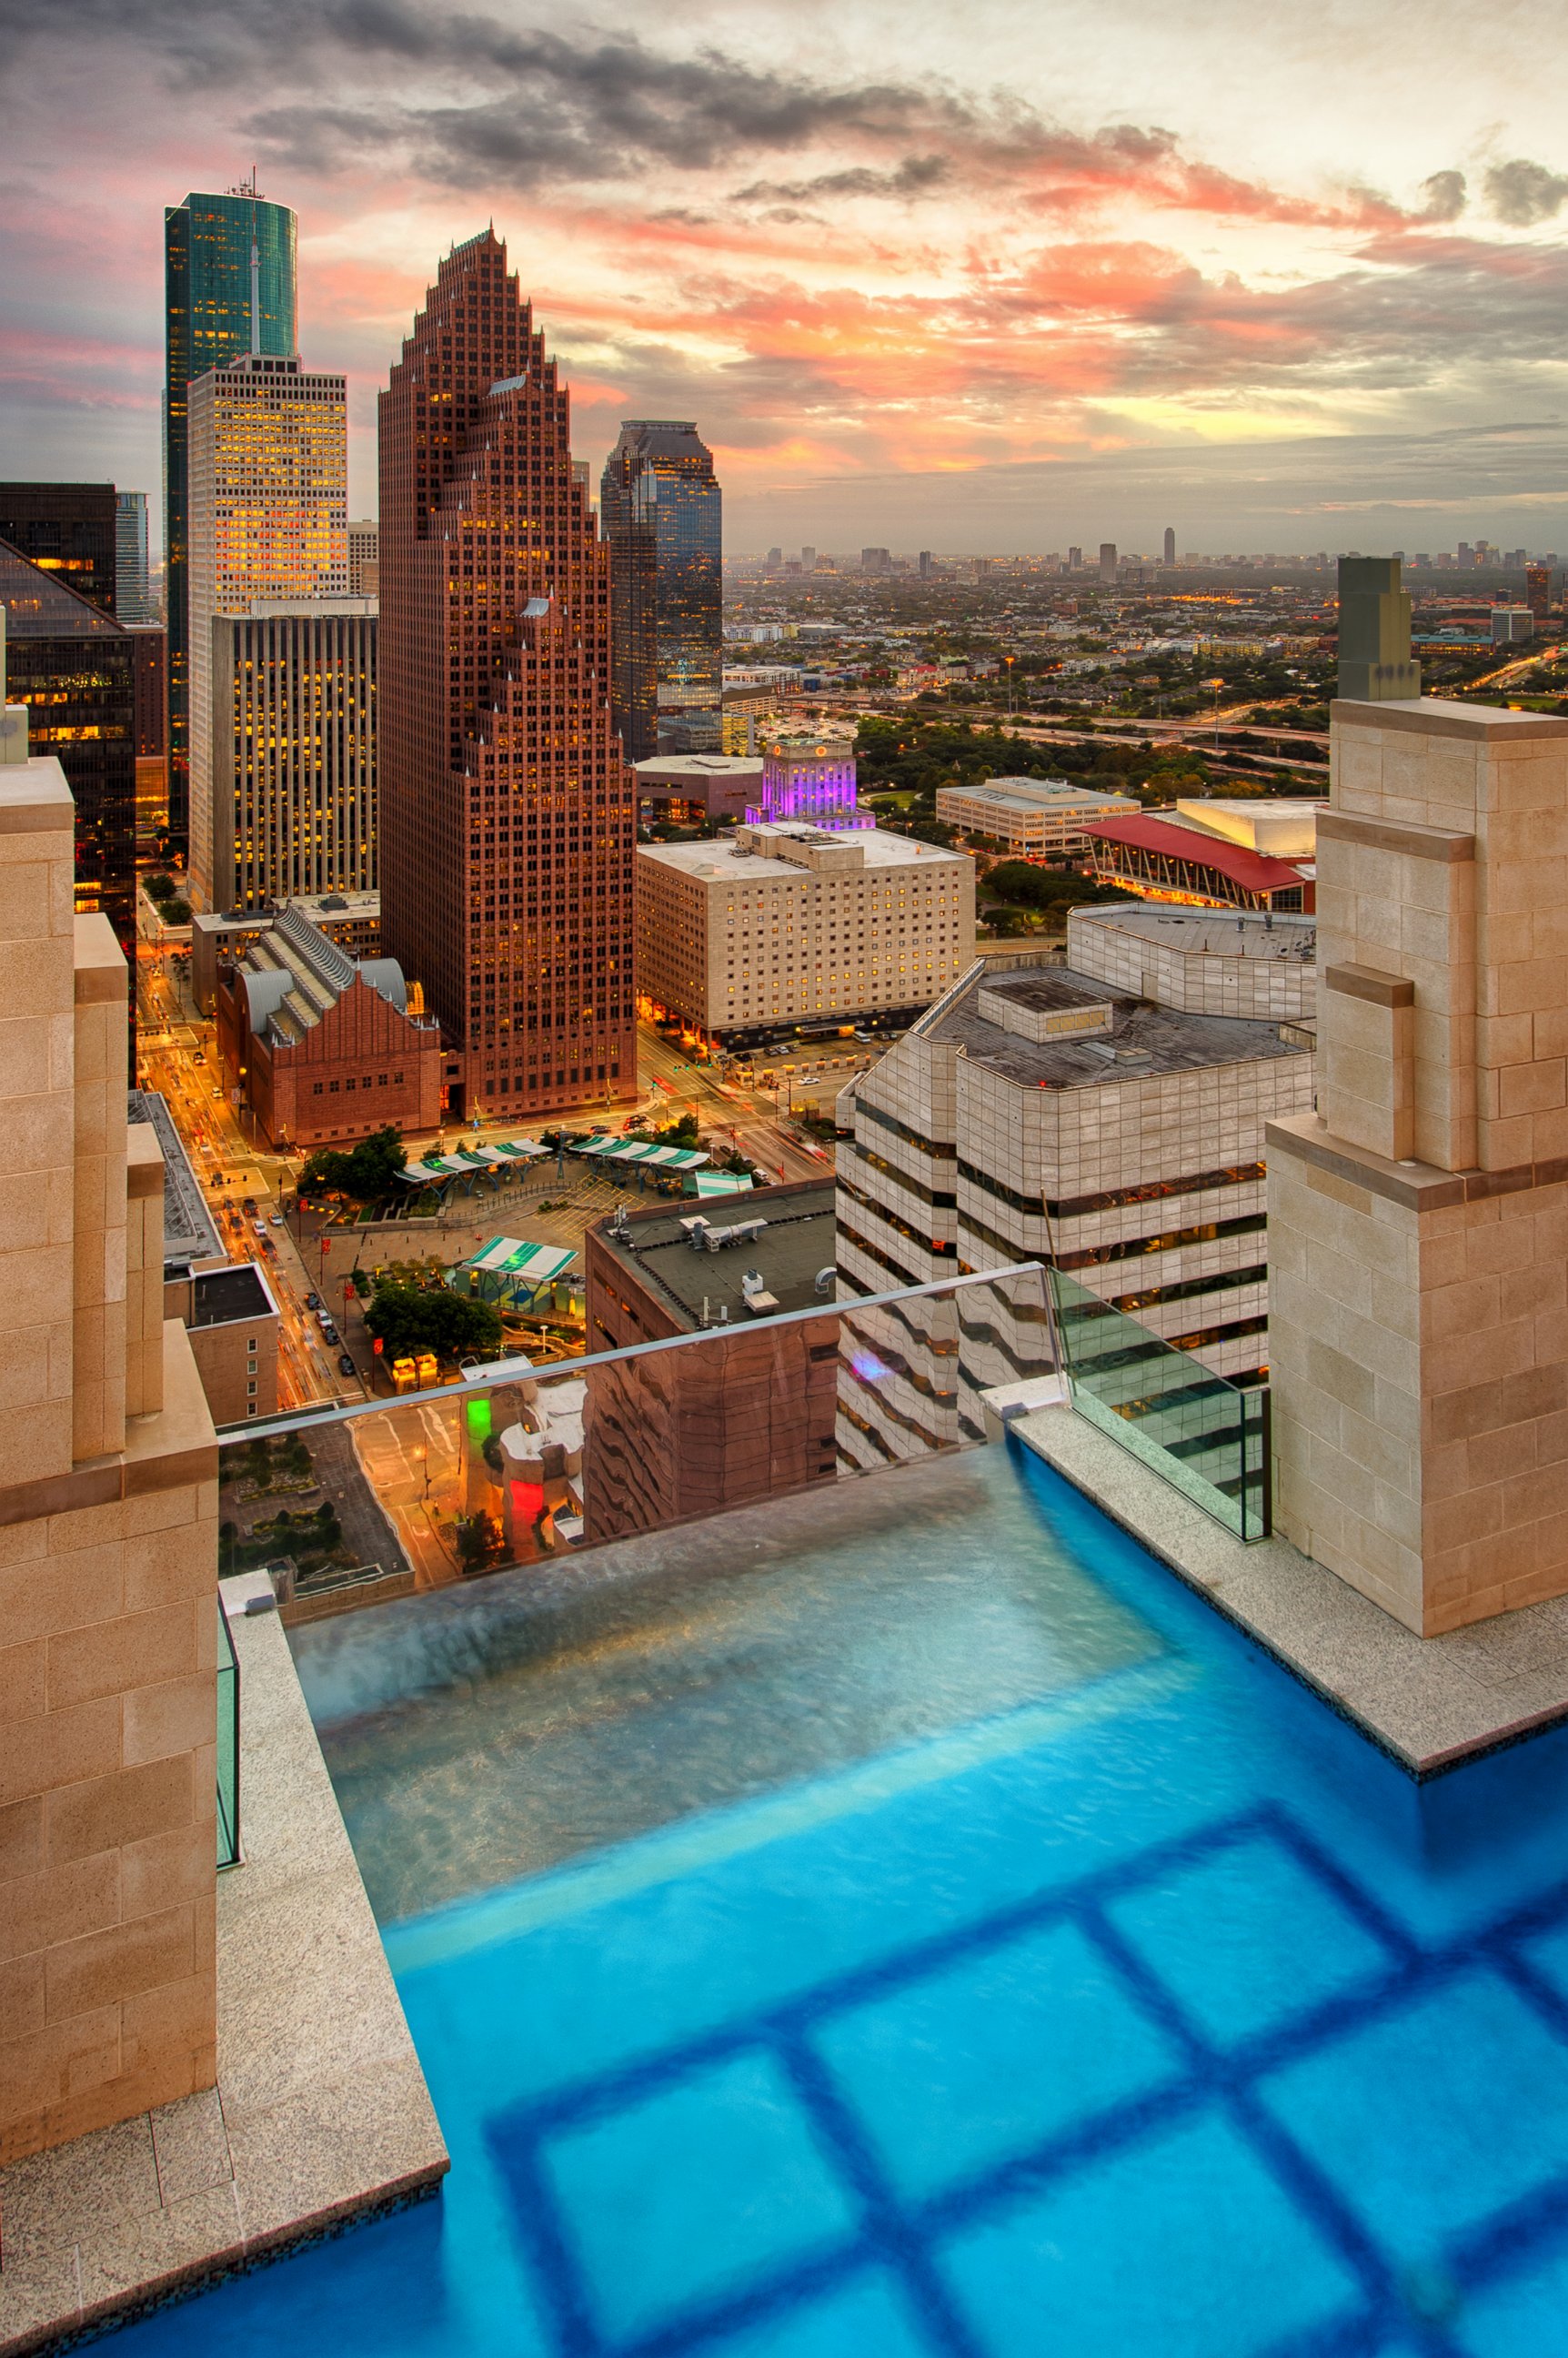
[1430, 1702]
[321, 2118]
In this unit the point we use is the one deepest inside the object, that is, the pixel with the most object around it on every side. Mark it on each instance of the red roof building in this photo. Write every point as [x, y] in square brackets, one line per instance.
[1169, 858]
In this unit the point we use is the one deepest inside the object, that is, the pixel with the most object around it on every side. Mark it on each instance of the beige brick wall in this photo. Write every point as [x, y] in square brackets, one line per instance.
[108, 1547]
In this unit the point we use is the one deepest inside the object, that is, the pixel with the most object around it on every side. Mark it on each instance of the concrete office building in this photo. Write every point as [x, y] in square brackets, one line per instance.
[1045, 1113]
[267, 523]
[109, 1503]
[1419, 1221]
[320, 1049]
[748, 1414]
[232, 1320]
[291, 786]
[1035, 818]
[1108, 561]
[774, 928]
[364, 557]
[506, 814]
[1511, 625]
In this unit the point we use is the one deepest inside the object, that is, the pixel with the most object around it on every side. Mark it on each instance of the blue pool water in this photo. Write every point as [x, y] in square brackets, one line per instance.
[1082, 1985]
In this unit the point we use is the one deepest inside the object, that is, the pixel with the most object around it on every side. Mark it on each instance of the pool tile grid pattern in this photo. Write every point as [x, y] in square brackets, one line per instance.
[1176, 2062]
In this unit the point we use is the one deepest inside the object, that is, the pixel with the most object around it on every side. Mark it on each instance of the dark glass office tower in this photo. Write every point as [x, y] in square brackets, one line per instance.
[73, 666]
[216, 307]
[662, 512]
[66, 530]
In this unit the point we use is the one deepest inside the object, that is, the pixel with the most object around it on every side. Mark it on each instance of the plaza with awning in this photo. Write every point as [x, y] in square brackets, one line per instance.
[718, 1182]
[642, 1152]
[469, 1164]
[508, 1268]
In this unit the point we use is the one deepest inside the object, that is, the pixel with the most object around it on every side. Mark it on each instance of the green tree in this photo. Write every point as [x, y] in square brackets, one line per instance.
[410, 1318]
[682, 1132]
[480, 1543]
[366, 1171]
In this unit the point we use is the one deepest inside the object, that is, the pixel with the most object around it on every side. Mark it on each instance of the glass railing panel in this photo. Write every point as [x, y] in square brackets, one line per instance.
[1206, 1436]
[522, 1463]
[228, 1746]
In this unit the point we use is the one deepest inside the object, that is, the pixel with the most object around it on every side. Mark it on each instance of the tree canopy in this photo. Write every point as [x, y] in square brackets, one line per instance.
[431, 1318]
[364, 1172]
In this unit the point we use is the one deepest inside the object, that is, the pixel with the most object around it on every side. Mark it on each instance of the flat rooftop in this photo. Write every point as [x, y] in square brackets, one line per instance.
[1211, 933]
[228, 1297]
[667, 768]
[1043, 794]
[800, 1240]
[1144, 1041]
[726, 863]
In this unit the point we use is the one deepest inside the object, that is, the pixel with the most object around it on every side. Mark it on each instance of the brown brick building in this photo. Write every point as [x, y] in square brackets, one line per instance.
[232, 1320]
[508, 816]
[747, 1413]
[324, 1051]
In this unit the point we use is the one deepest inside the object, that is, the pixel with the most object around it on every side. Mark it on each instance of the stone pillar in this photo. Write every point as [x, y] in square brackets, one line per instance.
[1418, 1223]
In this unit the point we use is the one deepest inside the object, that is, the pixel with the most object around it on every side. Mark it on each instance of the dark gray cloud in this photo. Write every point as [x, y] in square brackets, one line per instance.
[917, 176]
[1444, 193]
[1521, 193]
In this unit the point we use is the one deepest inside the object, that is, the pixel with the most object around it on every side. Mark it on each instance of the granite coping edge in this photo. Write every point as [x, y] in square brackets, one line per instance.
[399, 2162]
[1335, 1641]
[186, 2280]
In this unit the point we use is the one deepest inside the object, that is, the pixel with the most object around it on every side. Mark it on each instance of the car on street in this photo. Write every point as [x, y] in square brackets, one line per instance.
[345, 1365]
[276, 1220]
[312, 1302]
[330, 1335]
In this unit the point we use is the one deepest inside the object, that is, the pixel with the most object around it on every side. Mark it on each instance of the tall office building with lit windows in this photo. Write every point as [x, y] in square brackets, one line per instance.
[268, 525]
[133, 581]
[663, 514]
[507, 815]
[229, 287]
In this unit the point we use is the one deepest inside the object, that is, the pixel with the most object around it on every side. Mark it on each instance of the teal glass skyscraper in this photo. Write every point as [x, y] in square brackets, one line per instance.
[663, 514]
[230, 274]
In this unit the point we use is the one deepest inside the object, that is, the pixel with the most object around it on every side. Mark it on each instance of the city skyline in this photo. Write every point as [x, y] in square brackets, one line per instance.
[1257, 305]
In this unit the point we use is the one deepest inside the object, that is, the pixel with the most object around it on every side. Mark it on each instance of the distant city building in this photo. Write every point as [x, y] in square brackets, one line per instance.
[266, 521]
[1046, 1113]
[133, 602]
[876, 561]
[1108, 560]
[73, 666]
[662, 513]
[1511, 625]
[292, 789]
[68, 531]
[507, 817]
[218, 941]
[1215, 854]
[1170, 545]
[762, 1395]
[365, 558]
[698, 787]
[322, 1049]
[806, 778]
[778, 927]
[229, 287]
[808, 561]
[1034, 817]
[1075, 560]
[1538, 591]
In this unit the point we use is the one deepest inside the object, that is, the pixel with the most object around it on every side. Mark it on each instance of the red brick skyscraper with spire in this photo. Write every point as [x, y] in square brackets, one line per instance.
[507, 815]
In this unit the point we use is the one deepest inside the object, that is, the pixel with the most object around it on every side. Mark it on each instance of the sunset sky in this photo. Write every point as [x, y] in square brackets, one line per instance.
[992, 278]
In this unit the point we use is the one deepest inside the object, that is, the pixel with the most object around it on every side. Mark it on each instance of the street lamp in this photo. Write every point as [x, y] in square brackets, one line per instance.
[1010, 661]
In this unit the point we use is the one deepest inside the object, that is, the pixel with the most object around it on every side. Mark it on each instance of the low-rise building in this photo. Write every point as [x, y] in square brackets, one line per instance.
[1036, 819]
[698, 788]
[1253, 854]
[745, 1415]
[778, 927]
[219, 938]
[1048, 1114]
[232, 1319]
[320, 1049]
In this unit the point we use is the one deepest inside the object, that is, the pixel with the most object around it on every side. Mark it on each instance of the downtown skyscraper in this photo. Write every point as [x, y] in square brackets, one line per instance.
[267, 499]
[230, 278]
[506, 812]
[664, 517]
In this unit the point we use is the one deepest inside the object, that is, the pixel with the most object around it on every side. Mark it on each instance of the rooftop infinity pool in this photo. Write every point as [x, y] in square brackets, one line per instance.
[904, 1923]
